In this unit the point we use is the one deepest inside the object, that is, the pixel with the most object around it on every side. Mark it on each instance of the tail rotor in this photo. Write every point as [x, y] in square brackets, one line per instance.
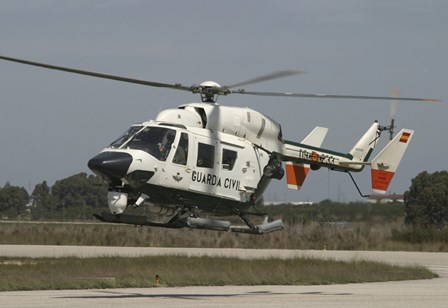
[393, 114]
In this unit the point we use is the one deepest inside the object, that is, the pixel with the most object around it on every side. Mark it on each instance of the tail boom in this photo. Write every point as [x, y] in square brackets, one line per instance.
[318, 157]
[301, 157]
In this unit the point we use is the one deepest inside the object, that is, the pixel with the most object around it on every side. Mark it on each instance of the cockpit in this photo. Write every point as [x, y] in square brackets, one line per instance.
[156, 141]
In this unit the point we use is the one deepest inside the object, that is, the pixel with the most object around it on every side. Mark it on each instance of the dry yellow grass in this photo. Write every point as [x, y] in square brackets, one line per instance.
[354, 236]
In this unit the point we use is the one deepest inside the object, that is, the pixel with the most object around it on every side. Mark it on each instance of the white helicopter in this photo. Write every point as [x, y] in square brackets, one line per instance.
[216, 161]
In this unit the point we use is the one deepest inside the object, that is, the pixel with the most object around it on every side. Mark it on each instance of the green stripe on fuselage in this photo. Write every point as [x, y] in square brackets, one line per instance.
[309, 147]
[366, 159]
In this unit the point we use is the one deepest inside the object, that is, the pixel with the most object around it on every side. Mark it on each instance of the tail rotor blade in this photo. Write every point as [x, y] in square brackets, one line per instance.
[393, 112]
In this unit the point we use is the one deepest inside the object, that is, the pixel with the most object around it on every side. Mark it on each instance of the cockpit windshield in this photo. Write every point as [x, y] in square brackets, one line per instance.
[156, 141]
[125, 136]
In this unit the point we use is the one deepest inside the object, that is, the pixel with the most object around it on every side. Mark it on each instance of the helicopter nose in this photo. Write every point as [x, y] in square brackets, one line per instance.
[111, 164]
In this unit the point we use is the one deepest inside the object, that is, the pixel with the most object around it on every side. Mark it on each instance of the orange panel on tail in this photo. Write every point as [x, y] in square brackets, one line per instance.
[381, 179]
[296, 174]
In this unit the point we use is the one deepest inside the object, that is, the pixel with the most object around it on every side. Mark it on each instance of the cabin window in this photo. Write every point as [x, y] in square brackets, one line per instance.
[228, 159]
[206, 155]
[181, 155]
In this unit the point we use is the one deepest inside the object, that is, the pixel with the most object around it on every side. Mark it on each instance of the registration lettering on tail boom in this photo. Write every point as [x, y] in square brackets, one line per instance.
[296, 172]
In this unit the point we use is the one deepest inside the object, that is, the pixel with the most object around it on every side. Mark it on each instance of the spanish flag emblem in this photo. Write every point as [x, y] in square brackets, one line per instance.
[405, 137]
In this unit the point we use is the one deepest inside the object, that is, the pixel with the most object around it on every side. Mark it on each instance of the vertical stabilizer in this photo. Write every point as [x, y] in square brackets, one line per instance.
[364, 147]
[297, 172]
[385, 164]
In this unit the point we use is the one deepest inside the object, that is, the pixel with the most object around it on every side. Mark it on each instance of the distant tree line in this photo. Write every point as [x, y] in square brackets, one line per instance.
[78, 196]
[72, 198]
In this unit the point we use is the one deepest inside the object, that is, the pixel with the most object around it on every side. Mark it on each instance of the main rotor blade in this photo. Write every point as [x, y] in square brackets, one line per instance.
[176, 86]
[275, 75]
[194, 89]
[309, 95]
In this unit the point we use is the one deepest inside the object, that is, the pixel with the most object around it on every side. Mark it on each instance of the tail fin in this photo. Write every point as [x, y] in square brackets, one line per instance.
[364, 147]
[385, 164]
[297, 172]
[316, 137]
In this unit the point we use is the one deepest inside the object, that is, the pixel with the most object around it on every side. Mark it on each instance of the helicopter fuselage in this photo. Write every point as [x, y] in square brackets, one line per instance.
[219, 160]
[200, 156]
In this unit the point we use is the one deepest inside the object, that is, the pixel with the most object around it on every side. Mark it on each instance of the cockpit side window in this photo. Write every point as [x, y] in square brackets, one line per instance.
[181, 155]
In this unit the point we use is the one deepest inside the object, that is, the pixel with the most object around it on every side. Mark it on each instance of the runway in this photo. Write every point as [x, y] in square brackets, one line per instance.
[419, 293]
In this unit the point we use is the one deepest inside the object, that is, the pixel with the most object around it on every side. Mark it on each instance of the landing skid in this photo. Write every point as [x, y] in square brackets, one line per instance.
[193, 223]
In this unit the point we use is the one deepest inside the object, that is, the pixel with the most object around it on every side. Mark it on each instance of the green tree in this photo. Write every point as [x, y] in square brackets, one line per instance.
[13, 201]
[76, 197]
[426, 201]
[43, 201]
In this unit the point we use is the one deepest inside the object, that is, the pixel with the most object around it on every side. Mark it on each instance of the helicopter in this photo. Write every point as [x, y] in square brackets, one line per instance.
[200, 162]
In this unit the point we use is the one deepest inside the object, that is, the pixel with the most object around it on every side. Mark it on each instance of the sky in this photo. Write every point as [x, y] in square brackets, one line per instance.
[52, 123]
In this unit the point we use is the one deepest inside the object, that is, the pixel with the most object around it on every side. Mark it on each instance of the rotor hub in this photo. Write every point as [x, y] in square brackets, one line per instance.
[210, 84]
[209, 91]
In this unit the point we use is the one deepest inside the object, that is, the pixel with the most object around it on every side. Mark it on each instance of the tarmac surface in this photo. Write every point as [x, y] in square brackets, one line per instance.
[417, 293]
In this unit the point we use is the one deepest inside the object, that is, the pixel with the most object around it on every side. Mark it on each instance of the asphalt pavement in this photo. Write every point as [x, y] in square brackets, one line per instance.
[416, 293]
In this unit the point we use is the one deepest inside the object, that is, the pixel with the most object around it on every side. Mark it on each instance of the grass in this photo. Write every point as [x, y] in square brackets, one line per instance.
[177, 271]
[114, 272]
[313, 235]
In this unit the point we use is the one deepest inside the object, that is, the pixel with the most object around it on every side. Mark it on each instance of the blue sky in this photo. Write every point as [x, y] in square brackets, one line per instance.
[51, 122]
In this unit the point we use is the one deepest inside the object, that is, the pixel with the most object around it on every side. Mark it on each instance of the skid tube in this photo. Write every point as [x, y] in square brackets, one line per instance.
[193, 223]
